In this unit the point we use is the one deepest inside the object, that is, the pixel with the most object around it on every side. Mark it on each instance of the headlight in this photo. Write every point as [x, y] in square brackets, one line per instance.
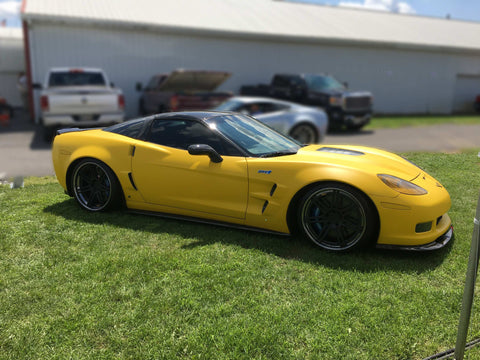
[402, 186]
[336, 101]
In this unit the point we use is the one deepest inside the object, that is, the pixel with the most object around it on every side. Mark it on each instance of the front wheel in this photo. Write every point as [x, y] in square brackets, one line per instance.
[305, 134]
[95, 186]
[337, 217]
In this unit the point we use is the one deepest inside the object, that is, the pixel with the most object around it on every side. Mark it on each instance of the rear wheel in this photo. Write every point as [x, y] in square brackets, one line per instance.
[95, 186]
[304, 133]
[337, 217]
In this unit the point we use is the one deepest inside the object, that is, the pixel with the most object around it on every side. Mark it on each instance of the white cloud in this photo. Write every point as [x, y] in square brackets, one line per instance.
[395, 6]
[10, 11]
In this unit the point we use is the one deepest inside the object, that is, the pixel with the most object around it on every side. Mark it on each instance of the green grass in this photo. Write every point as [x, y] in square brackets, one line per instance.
[393, 122]
[116, 285]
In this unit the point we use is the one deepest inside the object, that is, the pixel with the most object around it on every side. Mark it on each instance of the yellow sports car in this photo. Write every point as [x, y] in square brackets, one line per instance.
[228, 168]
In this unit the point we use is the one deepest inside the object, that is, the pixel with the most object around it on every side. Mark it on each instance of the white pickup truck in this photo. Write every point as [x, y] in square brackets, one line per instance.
[80, 97]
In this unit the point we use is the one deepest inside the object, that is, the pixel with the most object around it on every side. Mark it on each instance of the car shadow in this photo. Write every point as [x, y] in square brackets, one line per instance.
[286, 247]
[22, 123]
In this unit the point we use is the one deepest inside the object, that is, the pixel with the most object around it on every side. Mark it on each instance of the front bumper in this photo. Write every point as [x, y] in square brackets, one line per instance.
[353, 120]
[337, 115]
[439, 243]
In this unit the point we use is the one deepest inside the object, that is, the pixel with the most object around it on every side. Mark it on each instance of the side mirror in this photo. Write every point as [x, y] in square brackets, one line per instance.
[37, 86]
[203, 149]
[139, 86]
[345, 84]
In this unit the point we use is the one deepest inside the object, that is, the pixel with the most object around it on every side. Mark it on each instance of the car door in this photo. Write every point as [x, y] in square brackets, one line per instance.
[166, 174]
[274, 115]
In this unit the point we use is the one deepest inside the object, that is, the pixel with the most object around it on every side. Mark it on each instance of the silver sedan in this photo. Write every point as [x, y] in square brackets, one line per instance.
[305, 124]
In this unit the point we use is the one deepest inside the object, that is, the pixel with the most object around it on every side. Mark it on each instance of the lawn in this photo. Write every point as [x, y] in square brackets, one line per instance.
[393, 122]
[116, 285]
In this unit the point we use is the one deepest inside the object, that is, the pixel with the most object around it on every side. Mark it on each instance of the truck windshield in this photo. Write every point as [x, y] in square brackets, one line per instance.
[256, 138]
[76, 78]
[321, 83]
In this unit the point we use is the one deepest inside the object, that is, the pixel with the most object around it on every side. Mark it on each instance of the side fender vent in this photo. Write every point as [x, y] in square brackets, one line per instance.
[274, 187]
[265, 204]
[130, 177]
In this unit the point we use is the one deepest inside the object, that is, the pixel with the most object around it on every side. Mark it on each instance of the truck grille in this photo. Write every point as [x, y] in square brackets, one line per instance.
[358, 102]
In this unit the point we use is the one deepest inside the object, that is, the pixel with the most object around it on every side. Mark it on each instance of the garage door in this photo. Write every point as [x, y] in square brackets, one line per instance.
[467, 87]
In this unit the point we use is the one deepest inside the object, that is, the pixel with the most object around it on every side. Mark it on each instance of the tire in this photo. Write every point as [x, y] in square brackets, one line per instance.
[95, 186]
[304, 133]
[337, 217]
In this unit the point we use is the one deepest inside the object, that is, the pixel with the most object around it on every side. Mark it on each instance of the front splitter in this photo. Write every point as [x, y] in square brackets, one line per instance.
[439, 243]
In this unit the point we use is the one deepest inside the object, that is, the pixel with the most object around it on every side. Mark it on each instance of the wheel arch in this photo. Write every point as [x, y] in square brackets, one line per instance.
[310, 123]
[295, 201]
[74, 163]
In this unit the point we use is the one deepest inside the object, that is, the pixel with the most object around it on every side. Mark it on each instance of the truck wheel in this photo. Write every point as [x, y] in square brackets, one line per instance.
[304, 133]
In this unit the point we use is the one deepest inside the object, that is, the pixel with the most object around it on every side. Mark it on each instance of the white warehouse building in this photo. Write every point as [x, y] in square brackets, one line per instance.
[12, 64]
[411, 64]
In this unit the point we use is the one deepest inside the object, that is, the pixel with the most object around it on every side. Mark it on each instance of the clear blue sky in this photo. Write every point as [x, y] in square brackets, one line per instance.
[457, 9]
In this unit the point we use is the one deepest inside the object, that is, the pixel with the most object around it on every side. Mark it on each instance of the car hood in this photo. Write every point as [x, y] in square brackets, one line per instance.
[369, 159]
[193, 80]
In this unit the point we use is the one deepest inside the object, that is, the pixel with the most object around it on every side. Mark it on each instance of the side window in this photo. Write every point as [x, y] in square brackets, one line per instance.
[280, 81]
[269, 107]
[180, 134]
[152, 84]
[131, 129]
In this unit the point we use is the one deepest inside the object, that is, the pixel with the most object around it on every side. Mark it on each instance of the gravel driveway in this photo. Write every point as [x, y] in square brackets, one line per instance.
[24, 153]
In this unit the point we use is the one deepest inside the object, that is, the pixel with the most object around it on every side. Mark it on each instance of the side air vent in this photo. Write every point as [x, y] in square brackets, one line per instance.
[265, 204]
[130, 177]
[341, 151]
[274, 187]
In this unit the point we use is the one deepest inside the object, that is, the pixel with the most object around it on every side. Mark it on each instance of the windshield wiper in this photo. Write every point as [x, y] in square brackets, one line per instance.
[279, 153]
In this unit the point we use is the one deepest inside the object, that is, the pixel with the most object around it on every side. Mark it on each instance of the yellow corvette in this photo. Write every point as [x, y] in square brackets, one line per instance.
[228, 168]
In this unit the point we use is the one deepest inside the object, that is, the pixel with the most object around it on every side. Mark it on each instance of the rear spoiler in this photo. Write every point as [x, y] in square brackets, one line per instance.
[67, 130]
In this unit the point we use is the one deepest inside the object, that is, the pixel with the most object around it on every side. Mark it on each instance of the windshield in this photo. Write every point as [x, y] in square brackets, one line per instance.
[254, 137]
[76, 78]
[321, 83]
[229, 105]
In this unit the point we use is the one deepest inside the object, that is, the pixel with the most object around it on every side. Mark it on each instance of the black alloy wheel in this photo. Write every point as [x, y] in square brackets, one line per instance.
[337, 217]
[95, 186]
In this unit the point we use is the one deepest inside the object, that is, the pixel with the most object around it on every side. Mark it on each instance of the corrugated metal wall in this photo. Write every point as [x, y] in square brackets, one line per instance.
[402, 81]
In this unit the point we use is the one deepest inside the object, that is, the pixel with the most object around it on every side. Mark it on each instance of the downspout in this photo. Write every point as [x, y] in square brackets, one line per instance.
[28, 62]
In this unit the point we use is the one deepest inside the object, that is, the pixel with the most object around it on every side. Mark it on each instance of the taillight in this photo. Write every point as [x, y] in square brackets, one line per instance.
[174, 103]
[477, 99]
[44, 105]
[121, 102]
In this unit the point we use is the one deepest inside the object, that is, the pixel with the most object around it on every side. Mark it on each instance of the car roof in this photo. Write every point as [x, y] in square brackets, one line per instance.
[199, 115]
[252, 99]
